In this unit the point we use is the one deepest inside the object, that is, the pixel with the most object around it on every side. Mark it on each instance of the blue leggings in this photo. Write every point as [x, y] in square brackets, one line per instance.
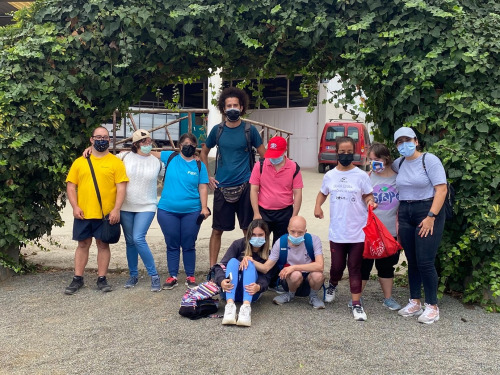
[180, 230]
[240, 279]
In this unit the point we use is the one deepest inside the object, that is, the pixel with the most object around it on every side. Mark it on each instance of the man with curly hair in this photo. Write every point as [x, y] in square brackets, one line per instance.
[235, 140]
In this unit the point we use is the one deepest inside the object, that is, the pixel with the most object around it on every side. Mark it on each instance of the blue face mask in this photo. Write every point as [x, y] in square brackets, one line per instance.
[407, 149]
[377, 166]
[276, 161]
[295, 240]
[146, 149]
[257, 241]
[101, 145]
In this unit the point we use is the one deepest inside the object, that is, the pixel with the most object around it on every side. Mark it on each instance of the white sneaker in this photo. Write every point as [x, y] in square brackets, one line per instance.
[429, 315]
[330, 293]
[229, 314]
[411, 309]
[244, 317]
[359, 313]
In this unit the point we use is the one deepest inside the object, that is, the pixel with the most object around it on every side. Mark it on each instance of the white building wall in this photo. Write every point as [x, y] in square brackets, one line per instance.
[304, 126]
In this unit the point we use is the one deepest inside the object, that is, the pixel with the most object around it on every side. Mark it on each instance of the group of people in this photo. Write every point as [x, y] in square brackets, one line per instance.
[266, 197]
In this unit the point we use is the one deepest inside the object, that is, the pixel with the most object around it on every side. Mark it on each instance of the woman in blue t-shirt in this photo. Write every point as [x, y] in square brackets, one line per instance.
[421, 183]
[183, 200]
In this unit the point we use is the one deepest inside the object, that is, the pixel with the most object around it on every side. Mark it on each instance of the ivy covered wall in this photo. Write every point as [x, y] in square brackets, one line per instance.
[434, 65]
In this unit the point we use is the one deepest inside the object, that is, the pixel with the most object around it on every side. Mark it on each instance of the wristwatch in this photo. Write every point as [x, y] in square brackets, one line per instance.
[431, 214]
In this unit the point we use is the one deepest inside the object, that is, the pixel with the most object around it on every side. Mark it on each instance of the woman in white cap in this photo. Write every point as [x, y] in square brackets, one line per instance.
[421, 183]
[139, 207]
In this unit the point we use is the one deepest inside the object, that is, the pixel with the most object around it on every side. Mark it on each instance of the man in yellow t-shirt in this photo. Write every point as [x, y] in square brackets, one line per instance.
[112, 181]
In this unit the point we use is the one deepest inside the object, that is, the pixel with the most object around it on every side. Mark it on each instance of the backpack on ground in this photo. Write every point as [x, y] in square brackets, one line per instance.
[249, 149]
[450, 195]
[173, 155]
[199, 302]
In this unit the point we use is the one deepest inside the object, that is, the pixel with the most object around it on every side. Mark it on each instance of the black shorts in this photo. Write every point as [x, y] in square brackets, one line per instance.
[86, 228]
[303, 290]
[223, 212]
[277, 220]
[385, 266]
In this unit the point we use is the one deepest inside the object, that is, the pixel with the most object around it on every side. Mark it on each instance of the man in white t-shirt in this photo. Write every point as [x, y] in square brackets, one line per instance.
[301, 275]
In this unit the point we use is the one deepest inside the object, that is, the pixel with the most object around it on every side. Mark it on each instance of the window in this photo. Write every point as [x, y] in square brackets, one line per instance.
[353, 133]
[295, 97]
[333, 132]
[278, 92]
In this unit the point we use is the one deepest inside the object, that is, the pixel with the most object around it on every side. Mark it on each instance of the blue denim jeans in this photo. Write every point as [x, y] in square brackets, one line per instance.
[420, 251]
[180, 231]
[240, 279]
[135, 226]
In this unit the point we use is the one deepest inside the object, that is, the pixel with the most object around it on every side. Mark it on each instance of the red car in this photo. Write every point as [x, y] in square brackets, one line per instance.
[327, 155]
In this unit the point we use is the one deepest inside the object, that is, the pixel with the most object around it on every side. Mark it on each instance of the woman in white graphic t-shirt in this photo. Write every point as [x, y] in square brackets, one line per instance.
[350, 193]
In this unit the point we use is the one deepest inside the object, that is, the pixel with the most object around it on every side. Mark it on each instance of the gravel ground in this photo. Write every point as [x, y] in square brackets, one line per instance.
[134, 331]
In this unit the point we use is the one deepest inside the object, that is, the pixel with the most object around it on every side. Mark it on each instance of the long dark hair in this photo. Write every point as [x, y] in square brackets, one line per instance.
[264, 250]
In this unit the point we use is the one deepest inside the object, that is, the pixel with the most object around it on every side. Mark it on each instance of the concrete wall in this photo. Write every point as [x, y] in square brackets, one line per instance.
[303, 125]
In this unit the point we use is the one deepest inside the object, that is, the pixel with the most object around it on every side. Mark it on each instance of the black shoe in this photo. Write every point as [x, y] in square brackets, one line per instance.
[102, 284]
[76, 284]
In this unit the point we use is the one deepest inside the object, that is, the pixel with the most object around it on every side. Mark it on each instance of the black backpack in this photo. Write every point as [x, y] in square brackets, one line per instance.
[249, 149]
[203, 309]
[450, 195]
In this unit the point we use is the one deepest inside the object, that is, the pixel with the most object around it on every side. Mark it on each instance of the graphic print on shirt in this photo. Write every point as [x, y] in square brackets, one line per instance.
[344, 191]
[386, 196]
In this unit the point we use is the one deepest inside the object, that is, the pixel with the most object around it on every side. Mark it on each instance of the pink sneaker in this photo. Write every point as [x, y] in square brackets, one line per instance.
[411, 309]
[430, 315]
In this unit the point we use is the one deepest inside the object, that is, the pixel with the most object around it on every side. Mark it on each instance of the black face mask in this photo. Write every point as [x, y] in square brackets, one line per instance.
[101, 145]
[233, 114]
[345, 159]
[188, 150]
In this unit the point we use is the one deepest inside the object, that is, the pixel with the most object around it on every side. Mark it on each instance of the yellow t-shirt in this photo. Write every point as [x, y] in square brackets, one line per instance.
[109, 171]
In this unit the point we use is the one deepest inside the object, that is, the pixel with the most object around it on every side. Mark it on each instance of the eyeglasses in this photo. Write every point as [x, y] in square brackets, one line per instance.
[101, 137]
[146, 141]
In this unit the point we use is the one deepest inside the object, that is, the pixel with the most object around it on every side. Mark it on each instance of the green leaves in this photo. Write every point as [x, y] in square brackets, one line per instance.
[65, 66]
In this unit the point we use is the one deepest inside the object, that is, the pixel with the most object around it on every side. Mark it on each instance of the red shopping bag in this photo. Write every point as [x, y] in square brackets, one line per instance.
[379, 242]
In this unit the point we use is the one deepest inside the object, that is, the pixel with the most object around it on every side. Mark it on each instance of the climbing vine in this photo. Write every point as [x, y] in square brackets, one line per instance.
[433, 65]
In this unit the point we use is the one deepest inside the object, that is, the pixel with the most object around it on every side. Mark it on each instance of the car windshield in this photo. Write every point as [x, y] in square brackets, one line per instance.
[333, 132]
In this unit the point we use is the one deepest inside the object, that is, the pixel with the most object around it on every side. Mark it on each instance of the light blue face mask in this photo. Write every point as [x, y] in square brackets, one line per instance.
[407, 149]
[146, 149]
[296, 240]
[276, 161]
[257, 241]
